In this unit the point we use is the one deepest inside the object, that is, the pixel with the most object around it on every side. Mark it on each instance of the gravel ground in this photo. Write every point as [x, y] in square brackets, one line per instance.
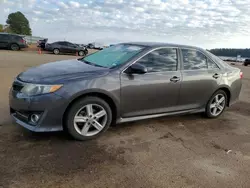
[179, 151]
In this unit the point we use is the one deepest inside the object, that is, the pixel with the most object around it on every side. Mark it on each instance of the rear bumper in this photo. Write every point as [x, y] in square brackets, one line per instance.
[23, 46]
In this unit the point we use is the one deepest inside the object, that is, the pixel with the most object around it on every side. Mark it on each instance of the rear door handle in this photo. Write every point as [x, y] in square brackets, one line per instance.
[175, 79]
[216, 76]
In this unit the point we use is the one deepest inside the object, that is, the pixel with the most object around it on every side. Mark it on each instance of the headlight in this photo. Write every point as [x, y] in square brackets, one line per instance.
[34, 89]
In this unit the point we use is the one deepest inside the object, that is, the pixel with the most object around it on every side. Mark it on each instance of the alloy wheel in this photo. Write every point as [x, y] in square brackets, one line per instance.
[217, 105]
[56, 51]
[90, 120]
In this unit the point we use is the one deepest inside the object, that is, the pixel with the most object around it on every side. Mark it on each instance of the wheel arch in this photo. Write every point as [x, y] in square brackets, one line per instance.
[55, 49]
[12, 44]
[227, 90]
[100, 94]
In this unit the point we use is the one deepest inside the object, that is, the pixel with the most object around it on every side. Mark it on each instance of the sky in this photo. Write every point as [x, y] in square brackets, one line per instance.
[204, 23]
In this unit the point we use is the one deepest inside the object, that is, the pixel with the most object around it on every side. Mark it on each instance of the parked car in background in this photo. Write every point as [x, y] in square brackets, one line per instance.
[41, 43]
[96, 46]
[66, 47]
[82, 45]
[12, 41]
[99, 46]
[246, 62]
[91, 46]
[84, 96]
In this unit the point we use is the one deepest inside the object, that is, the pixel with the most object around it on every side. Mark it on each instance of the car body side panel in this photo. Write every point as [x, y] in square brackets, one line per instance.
[150, 93]
[197, 87]
[232, 81]
[108, 85]
[235, 91]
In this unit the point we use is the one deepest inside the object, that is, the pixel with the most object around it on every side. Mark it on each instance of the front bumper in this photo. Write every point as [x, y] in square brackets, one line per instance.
[51, 108]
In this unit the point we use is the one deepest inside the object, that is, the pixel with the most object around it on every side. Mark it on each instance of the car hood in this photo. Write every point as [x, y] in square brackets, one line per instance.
[61, 71]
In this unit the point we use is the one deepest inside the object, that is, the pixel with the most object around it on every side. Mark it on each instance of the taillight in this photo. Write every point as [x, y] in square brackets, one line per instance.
[23, 41]
[241, 75]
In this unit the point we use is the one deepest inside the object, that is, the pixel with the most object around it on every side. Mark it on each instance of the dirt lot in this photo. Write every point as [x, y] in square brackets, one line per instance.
[185, 151]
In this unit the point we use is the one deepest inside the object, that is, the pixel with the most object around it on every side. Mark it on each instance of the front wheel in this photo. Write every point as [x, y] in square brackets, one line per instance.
[217, 104]
[88, 118]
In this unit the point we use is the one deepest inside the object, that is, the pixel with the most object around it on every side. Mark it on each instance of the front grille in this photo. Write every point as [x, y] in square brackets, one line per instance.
[16, 86]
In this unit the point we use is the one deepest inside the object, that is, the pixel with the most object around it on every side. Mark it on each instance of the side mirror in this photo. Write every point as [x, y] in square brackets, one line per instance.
[137, 68]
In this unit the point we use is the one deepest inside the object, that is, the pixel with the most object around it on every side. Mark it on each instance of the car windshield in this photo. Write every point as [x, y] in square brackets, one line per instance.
[113, 56]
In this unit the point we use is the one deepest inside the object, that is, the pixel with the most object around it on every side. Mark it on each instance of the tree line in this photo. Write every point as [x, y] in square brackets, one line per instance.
[231, 52]
[16, 23]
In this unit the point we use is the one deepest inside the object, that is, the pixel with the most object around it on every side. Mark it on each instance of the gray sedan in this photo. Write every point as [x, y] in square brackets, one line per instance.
[125, 82]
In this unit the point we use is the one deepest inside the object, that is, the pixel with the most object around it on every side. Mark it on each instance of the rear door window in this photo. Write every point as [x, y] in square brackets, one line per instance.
[211, 64]
[17, 38]
[194, 60]
[60, 43]
[70, 44]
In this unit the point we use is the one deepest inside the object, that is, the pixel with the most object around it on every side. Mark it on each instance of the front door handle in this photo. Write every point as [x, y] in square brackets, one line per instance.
[175, 79]
[216, 76]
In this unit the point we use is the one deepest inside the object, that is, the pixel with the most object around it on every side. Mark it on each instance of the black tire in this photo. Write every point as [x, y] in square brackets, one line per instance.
[245, 64]
[208, 112]
[14, 47]
[69, 120]
[81, 53]
[86, 52]
[56, 51]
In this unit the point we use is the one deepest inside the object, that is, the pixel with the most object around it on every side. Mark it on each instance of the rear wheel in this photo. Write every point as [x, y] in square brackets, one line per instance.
[14, 47]
[245, 64]
[217, 104]
[88, 118]
[56, 51]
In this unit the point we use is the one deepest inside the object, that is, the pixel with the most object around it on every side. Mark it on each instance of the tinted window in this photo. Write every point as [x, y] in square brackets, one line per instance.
[193, 60]
[4, 37]
[160, 60]
[60, 43]
[70, 44]
[211, 64]
[65, 43]
[17, 38]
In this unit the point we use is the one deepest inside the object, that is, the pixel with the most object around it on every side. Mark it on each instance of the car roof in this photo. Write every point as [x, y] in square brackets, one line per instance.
[10, 34]
[161, 44]
[63, 41]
